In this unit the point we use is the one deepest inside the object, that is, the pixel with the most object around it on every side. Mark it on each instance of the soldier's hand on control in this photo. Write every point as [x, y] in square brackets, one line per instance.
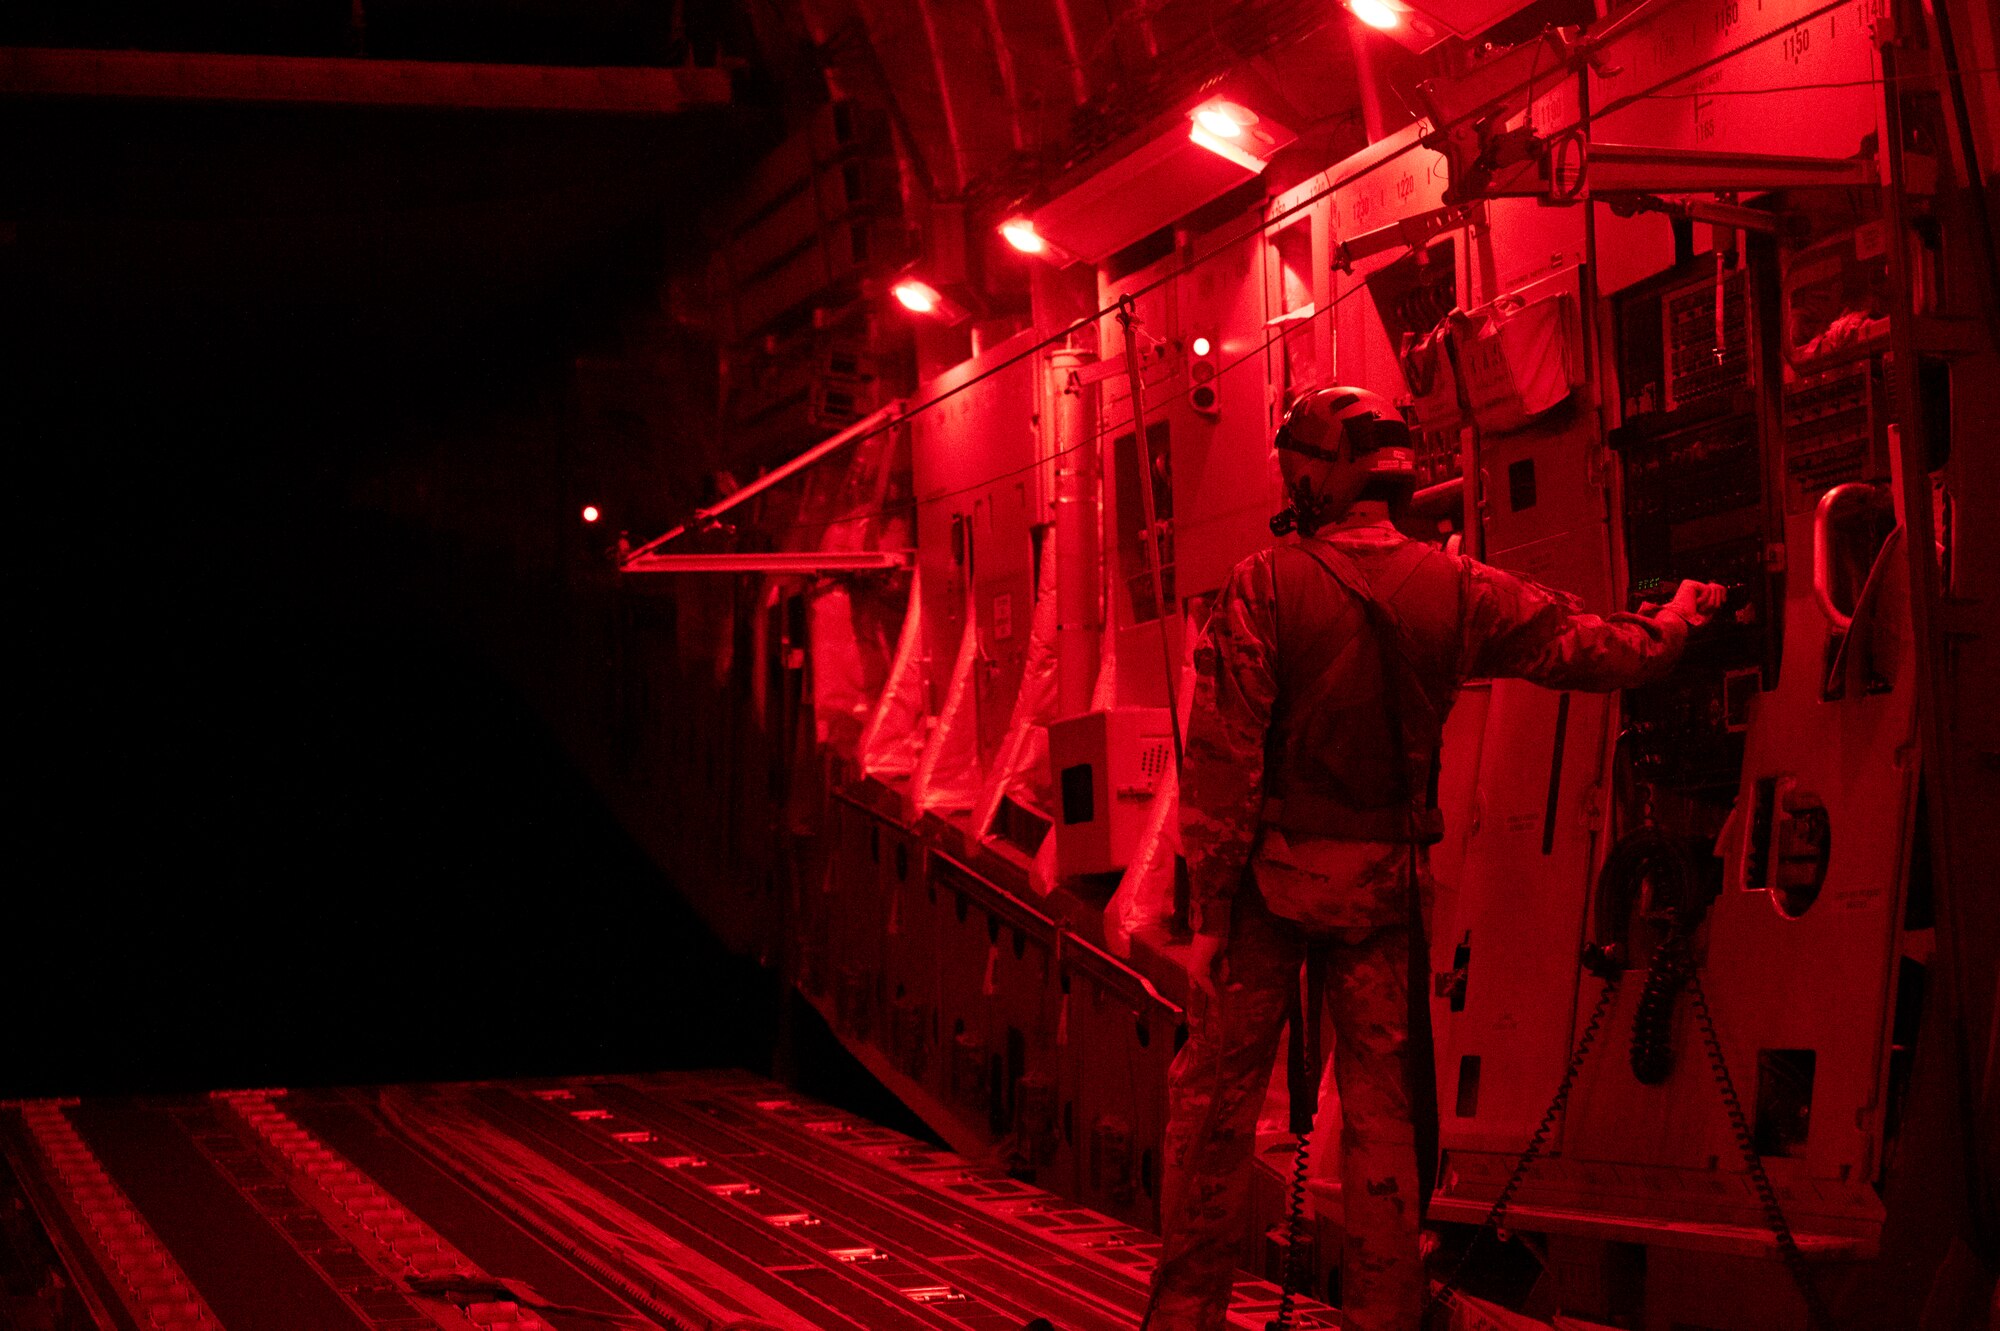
[1696, 601]
[1204, 962]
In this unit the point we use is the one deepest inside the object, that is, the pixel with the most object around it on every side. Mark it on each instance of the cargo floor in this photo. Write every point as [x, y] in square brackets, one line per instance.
[716, 1201]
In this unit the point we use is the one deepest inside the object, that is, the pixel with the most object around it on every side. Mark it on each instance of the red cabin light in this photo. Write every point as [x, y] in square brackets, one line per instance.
[1223, 120]
[1021, 234]
[917, 297]
[1376, 13]
[1200, 347]
[590, 513]
[1232, 131]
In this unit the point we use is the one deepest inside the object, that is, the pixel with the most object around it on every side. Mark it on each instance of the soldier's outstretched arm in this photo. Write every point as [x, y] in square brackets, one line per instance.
[1518, 629]
[1222, 777]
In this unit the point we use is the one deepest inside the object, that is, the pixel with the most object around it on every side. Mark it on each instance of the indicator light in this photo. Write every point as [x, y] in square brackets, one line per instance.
[916, 297]
[590, 513]
[1202, 377]
[1021, 234]
[1376, 13]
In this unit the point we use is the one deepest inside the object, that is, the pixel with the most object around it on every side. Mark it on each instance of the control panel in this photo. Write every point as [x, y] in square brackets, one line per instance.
[1693, 452]
[1836, 429]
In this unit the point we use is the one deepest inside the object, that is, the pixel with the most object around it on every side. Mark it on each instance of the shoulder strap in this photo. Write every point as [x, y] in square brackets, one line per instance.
[1399, 569]
[1401, 566]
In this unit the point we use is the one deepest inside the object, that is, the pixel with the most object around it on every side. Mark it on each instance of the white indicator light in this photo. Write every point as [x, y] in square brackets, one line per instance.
[1201, 346]
[590, 513]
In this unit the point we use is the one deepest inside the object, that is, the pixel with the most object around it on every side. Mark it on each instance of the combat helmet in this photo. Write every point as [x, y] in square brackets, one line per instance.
[1333, 443]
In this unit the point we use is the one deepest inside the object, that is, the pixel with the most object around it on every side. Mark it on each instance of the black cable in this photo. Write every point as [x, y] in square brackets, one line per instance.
[1295, 1232]
[1644, 855]
[1652, 1056]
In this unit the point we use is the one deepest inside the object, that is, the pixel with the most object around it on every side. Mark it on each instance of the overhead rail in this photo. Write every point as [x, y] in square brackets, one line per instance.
[31, 71]
[771, 561]
[881, 418]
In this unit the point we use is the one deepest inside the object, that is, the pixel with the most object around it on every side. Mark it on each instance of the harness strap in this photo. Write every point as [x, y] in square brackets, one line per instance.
[1420, 1058]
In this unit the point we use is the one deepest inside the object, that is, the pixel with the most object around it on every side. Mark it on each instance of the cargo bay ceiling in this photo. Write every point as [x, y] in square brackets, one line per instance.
[386, 176]
[922, 124]
[994, 96]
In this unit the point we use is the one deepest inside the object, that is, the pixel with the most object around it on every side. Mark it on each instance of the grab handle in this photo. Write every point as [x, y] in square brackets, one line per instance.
[1834, 505]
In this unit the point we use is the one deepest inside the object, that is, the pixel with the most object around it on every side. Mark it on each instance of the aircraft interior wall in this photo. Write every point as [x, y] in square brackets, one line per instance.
[1604, 401]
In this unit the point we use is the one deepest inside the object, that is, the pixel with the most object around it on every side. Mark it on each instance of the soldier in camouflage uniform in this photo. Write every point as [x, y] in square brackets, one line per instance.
[1303, 820]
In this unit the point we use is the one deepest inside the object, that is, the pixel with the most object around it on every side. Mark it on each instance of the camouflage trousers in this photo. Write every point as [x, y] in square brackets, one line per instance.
[1217, 1088]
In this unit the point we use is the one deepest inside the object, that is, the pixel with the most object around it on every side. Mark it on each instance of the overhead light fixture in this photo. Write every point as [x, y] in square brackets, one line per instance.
[946, 302]
[1225, 120]
[1378, 14]
[1021, 234]
[1233, 131]
[917, 297]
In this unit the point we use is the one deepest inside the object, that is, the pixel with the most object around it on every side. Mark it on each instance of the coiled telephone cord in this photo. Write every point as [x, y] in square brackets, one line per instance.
[1295, 1228]
[1653, 1021]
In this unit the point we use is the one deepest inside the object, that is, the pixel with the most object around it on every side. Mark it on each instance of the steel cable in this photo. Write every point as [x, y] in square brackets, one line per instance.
[1817, 1313]
[1496, 1216]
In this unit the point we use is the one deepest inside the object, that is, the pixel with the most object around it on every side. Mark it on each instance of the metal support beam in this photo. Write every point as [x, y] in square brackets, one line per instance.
[338, 81]
[1412, 233]
[1079, 626]
[808, 562]
[880, 419]
[1620, 168]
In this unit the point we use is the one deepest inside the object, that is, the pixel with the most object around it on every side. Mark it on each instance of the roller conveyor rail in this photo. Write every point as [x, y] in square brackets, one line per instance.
[701, 1200]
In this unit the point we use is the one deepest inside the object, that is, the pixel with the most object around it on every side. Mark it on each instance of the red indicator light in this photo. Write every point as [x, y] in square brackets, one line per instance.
[1200, 347]
[1376, 13]
[1021, 234]
[590, 513]
[917, 297]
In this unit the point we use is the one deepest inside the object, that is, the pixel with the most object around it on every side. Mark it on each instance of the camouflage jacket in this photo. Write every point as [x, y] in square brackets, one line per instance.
[1513, 628]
